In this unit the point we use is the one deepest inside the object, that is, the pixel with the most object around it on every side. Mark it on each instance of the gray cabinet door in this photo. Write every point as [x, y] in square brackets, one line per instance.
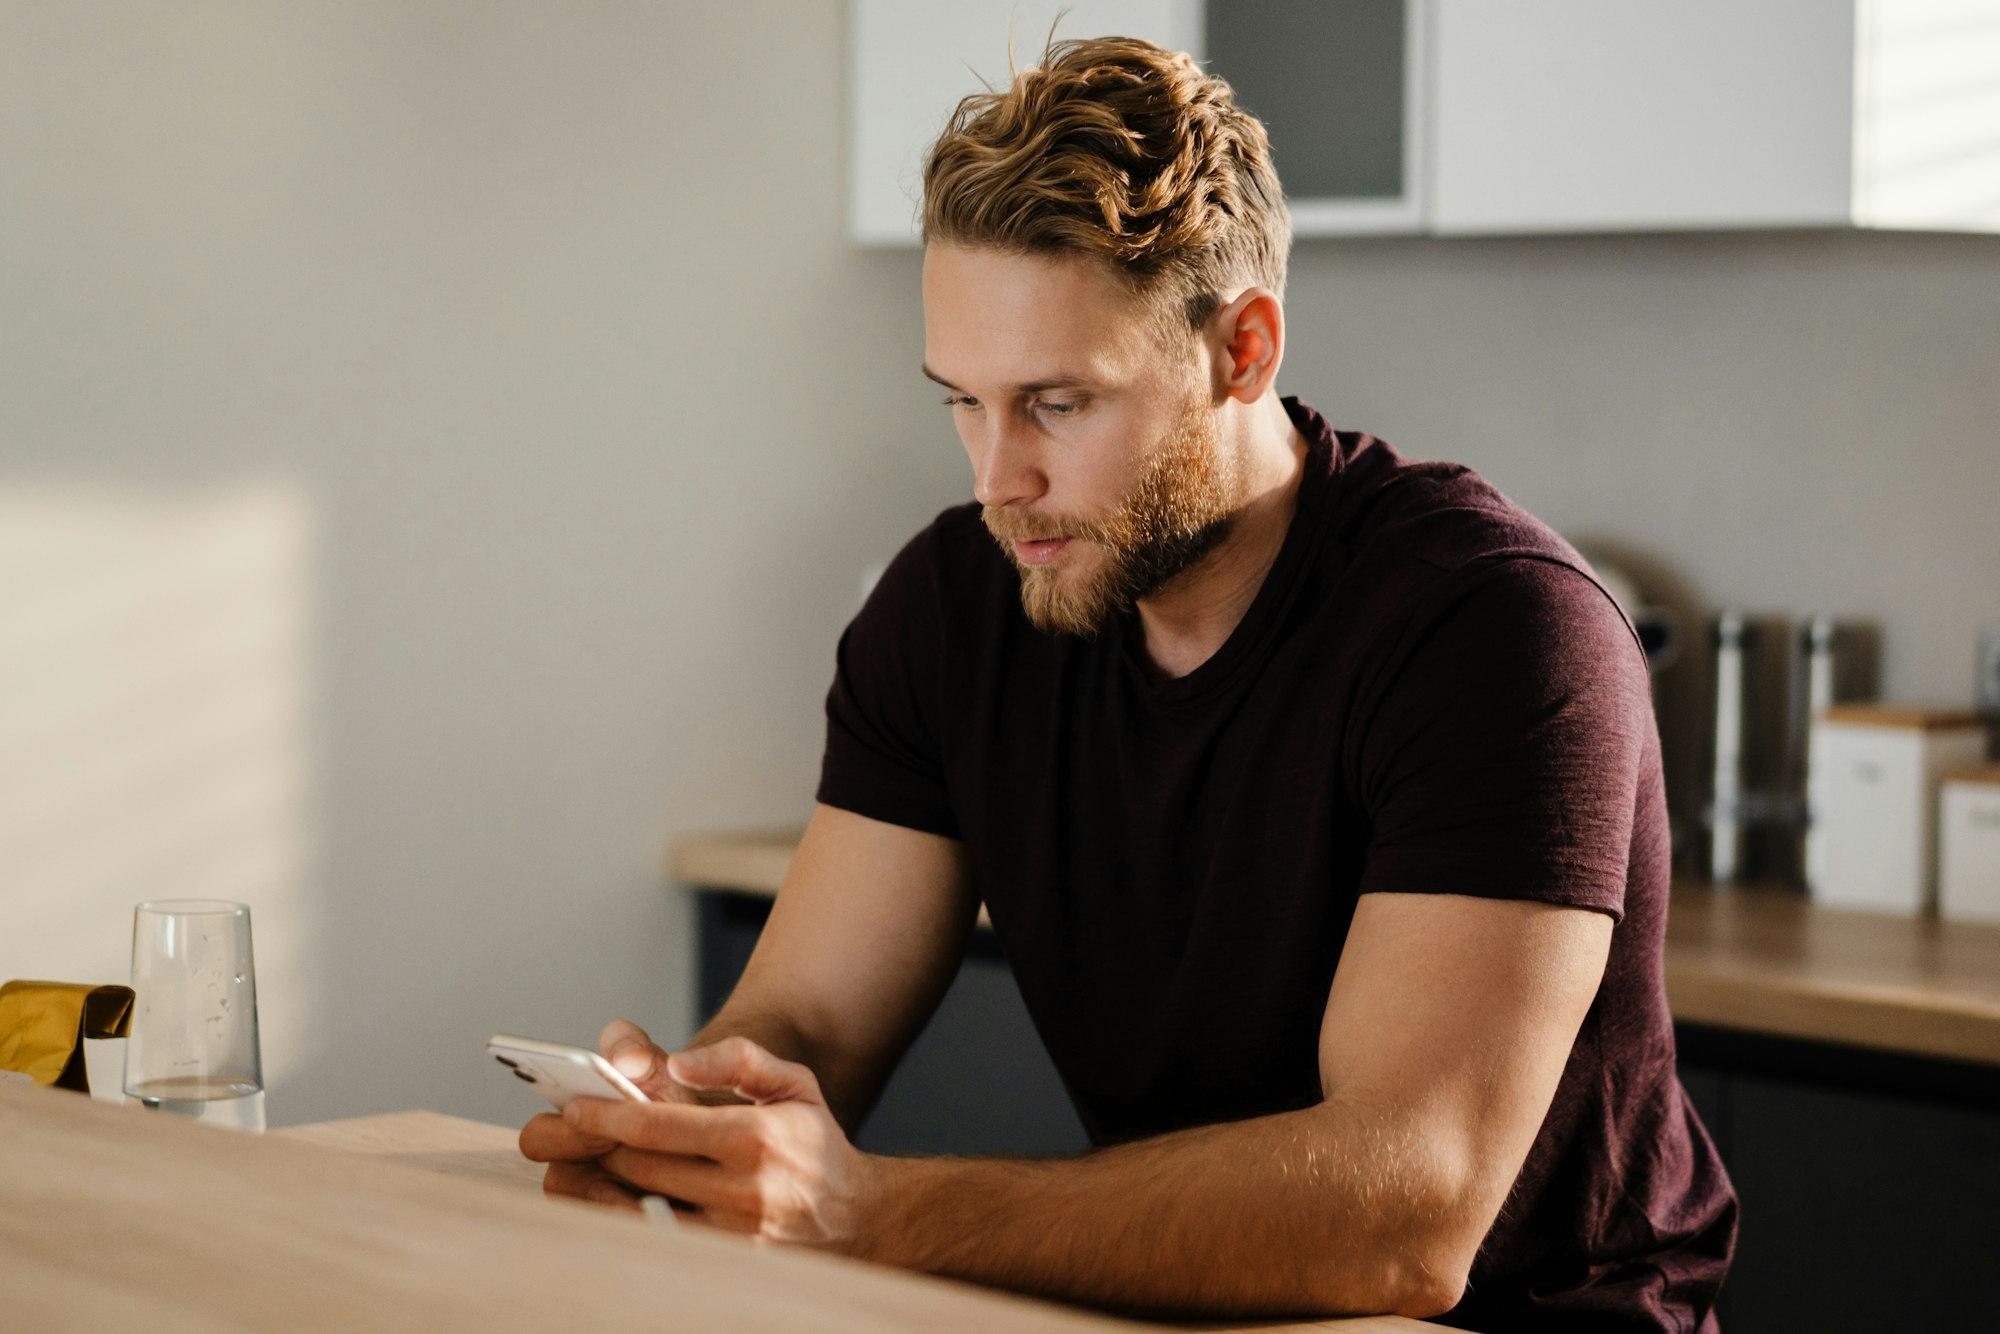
[1870, 1184]
[976, 1081]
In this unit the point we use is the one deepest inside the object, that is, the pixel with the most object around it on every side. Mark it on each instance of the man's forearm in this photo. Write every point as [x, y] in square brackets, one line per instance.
[773, 1032]
[1312, 1212]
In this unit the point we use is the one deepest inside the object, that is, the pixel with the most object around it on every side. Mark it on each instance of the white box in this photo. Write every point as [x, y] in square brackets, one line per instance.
[1969, 845]
[104, 1067]
[1873, 773]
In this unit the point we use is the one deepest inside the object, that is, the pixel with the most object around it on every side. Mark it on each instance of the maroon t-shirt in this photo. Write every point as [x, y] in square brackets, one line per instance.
[1430, 692]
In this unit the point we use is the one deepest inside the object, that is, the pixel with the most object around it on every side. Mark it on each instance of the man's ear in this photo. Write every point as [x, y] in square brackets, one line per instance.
[1250, 332]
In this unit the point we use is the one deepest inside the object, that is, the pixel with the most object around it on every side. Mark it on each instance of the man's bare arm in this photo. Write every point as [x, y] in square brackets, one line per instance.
[1448, 1026]
[865, 937]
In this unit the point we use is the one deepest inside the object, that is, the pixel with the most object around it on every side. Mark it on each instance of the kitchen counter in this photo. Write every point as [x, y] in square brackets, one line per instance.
[1758, 958]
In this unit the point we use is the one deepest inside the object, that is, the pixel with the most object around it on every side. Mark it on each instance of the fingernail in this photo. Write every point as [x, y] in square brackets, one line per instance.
[633, 1058]
[573, 1114]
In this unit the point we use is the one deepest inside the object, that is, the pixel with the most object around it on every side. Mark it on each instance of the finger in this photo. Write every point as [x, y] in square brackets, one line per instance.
[573, 1179]
[616, 1196]
[587, 1181]
[665, 1127]
[634, 1054]
[742, 1065]
[726, 1220]
[549, 1139]
[698, 1181]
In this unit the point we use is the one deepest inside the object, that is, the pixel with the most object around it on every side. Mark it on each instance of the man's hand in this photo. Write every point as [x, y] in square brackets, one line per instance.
[572, 1156]
[781, 1169]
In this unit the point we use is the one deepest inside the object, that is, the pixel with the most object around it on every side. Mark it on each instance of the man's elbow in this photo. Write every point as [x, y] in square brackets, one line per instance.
[1439, 1251]
[1421, 1267]
[1407, 1282]
[1433, 1286]
[1418, 1280]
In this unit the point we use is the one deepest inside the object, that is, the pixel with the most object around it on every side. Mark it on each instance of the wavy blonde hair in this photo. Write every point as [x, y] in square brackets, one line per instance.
[1116, 148]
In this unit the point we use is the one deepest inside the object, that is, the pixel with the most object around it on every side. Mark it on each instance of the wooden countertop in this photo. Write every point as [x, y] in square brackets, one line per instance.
[1759, 958]
[116, 1217]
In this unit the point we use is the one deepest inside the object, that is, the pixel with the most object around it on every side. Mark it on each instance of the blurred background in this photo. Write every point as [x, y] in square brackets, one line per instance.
[440, 444]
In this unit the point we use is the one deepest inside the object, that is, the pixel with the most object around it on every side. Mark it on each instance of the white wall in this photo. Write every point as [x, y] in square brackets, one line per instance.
[588, 420]
[1785, 423]
[571, 419]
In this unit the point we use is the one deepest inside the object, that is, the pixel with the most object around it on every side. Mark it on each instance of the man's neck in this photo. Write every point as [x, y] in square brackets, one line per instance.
[1194, 614]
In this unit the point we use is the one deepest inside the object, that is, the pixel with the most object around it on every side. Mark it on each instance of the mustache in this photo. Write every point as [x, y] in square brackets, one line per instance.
[1007, 526]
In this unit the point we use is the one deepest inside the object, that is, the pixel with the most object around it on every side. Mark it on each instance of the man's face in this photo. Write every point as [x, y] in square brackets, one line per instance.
[1093, 447]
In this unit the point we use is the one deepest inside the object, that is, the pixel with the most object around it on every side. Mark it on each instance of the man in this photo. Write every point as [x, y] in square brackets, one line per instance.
[1313, 792]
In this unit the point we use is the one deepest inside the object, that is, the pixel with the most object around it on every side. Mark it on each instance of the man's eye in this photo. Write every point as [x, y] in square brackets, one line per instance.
[1059, 409]
[957, 400]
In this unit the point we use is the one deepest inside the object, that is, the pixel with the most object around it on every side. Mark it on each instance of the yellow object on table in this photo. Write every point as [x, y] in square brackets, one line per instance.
[43, 1025]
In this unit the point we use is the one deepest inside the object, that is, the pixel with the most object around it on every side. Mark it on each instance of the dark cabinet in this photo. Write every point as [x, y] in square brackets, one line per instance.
[1870, 1184]
[976, 1081]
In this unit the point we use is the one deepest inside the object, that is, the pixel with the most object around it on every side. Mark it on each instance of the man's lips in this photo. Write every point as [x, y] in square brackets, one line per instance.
[1040, 553]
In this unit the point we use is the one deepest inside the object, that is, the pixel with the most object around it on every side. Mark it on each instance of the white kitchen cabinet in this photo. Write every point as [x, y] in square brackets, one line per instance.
[1505, 116]
[1632, 115]
[912, 60]
[1341, 88]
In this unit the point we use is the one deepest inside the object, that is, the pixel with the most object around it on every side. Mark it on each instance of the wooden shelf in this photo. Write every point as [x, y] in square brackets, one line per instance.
[1767, 960]
[752, 861]
[1759, 958]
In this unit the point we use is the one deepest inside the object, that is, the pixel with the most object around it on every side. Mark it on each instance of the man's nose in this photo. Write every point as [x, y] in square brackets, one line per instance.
[1004, 468]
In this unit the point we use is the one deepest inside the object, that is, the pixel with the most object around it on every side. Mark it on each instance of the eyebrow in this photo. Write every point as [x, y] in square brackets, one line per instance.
[1027, 387]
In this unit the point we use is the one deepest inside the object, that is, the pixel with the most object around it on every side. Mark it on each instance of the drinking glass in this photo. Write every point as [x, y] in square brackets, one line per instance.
[193, 1050]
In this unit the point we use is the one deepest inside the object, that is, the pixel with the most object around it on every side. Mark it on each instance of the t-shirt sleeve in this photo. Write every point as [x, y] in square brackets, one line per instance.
[1503, 756]
[882, 755]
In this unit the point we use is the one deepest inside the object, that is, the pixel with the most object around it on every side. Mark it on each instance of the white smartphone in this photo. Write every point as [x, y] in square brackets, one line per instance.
[560, 1072]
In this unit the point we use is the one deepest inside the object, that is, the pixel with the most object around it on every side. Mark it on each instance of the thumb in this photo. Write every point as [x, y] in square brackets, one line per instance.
[633, 1054]
[742, 1065]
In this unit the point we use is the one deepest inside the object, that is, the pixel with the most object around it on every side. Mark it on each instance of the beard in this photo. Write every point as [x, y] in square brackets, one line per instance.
[1182, 507]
